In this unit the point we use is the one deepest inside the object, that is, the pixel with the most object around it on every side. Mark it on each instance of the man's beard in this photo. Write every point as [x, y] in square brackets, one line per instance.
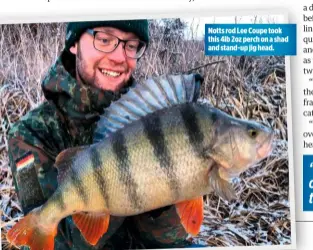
[81, 74]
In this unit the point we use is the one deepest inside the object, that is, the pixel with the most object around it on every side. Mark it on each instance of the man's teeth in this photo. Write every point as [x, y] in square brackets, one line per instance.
[110, 73]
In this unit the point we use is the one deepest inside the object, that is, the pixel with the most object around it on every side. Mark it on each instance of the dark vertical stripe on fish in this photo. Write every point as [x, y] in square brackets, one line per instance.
[193, 129]
[155, 135]
[97, 166]
[79, 186]
[121, 155]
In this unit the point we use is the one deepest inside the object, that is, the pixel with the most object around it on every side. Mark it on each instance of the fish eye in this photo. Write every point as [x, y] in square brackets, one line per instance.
[252, 133]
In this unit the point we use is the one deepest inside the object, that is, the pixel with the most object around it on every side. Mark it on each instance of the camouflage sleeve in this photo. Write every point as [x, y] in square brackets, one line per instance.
[160, 228]
[35, 180]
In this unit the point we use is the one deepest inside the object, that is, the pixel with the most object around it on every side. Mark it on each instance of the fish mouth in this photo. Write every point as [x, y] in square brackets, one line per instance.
[264, 150]
[266, 147]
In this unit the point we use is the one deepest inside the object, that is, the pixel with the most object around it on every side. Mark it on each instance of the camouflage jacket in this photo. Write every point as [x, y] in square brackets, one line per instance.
[67, 119]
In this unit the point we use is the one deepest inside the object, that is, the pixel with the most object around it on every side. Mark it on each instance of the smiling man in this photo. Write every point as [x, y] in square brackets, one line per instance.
[112, 68]
[94, 69]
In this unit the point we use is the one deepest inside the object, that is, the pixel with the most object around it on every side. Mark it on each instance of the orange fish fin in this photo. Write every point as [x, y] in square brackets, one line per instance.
[92, 225]
[28, 232]
[64, 159]
[191, 214]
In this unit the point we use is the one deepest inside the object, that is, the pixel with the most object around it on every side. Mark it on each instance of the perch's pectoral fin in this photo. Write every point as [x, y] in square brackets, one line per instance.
[191, 214]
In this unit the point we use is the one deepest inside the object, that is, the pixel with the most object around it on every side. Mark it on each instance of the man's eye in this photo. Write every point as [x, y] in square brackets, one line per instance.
[105, 41]
[132, 46]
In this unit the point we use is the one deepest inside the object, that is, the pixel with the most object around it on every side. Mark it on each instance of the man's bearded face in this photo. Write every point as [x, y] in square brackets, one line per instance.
[106, 71]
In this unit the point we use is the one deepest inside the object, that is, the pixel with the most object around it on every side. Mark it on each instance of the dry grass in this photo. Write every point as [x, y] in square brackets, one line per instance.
[246, 87]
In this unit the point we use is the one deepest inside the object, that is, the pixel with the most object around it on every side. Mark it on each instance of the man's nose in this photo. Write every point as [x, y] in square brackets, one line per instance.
[118, 55]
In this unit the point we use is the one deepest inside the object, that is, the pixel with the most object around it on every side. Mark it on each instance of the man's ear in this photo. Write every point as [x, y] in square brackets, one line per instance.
[73, 49]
